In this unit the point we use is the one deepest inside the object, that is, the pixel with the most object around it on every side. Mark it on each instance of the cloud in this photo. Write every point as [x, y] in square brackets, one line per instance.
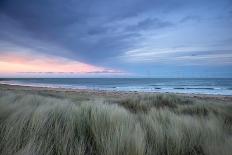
[148, 24]
[79, 28]
[190, 18]
[179, 56]
[37, 63]
[100, 32]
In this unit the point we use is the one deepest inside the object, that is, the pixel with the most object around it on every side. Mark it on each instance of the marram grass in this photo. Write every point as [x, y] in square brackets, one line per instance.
[44, 124]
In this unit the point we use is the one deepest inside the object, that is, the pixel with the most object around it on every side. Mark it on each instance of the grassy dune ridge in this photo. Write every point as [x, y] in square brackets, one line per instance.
[60, 123]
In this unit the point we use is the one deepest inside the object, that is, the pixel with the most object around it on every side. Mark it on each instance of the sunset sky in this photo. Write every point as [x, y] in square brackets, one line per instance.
[116, 38]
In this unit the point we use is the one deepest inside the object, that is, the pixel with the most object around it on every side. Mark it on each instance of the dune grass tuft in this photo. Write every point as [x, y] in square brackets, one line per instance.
[40, 123]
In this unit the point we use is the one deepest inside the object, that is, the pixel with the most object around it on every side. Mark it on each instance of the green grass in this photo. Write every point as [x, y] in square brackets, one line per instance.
[60, 123]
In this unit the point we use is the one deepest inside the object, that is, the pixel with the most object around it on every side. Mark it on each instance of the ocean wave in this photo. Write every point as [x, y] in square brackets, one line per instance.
[129, 87]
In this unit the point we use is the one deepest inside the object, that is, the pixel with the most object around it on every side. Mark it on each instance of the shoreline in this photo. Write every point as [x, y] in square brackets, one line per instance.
[38, 119]
[195, 86]
[227, 98]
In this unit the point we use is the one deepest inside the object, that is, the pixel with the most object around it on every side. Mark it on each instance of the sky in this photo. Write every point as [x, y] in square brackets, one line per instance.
[116, 38]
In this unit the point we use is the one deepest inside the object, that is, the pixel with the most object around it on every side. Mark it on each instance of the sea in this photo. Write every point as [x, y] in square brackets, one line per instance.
[216, 86]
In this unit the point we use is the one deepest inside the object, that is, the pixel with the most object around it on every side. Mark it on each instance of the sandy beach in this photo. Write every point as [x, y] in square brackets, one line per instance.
[106, 93]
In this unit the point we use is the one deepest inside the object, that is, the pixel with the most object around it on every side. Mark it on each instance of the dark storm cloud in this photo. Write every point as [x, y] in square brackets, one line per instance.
[84, 28]
[100, 31]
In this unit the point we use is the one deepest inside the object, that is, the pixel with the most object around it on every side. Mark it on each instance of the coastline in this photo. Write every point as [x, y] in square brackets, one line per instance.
[56, 117]
[154, 85]
[110, 93]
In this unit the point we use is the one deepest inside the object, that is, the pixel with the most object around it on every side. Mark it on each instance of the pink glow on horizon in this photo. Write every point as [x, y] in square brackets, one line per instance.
[19, 63]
